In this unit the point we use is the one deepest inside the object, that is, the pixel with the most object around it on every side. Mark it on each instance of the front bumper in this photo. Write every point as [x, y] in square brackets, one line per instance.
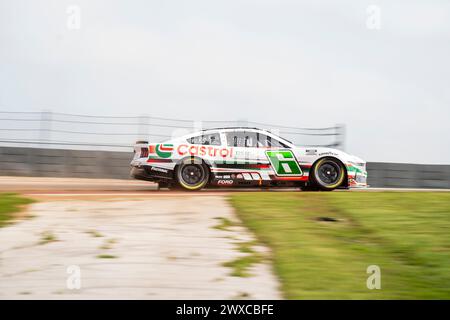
[357, 176]
[358, 180]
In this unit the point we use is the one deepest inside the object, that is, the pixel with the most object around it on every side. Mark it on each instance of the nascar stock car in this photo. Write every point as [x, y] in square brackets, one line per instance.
[251, 157]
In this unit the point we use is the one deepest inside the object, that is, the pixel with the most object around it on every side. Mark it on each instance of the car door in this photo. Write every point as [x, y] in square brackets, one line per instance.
[283, 159]
[244, 144]
[251, 146]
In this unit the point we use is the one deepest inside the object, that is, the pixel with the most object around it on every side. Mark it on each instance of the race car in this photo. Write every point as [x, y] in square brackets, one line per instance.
[244, 157]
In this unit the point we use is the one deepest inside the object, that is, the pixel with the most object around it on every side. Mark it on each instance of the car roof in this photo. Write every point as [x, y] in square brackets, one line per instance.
[235, 128]
[243, 128]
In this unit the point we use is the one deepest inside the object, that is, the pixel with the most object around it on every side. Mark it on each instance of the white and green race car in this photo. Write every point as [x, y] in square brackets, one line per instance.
[244, 157]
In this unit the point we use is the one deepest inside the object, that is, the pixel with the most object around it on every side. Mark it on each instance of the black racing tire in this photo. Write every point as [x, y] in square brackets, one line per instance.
[327, 174]
[192, 175]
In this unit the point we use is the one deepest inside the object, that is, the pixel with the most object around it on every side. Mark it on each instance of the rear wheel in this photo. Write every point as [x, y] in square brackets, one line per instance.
[192, 175]
[328, 174]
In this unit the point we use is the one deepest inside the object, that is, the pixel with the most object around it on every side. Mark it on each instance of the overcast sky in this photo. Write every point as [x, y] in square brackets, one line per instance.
[291, 62]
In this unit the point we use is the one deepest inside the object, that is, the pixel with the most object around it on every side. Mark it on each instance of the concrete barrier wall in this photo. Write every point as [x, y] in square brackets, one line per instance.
[64, 163]
[406, 175]
[115, 165]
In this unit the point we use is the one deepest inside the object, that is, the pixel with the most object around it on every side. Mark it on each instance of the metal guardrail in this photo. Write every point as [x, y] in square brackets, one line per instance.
[118, 133]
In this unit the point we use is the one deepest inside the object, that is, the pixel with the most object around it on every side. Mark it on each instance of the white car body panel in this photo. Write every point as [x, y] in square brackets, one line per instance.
[228, 162]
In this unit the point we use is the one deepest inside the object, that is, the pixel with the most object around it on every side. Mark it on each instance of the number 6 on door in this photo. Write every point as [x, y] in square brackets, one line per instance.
[284, 163]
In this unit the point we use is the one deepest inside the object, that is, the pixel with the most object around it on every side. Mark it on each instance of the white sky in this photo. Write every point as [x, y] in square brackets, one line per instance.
[300, 63]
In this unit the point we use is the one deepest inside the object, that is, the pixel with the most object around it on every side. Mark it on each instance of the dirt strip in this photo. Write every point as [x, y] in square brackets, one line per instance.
[147, 248]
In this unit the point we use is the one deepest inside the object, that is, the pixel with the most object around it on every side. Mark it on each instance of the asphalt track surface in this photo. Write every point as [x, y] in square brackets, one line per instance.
[44, 186]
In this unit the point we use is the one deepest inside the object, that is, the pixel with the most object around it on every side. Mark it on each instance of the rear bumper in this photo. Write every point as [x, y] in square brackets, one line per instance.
[140, 173]
[150, 173]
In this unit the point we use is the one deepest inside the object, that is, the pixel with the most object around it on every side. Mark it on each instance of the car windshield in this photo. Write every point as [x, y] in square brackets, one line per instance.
[281, 138]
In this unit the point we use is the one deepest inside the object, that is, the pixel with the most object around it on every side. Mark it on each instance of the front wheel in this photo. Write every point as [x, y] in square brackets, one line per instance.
[328, 174]
[192, 176]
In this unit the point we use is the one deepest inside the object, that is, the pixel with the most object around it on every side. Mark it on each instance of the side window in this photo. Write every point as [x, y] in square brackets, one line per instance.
[266, 141]
[251, 139]
[212, 139]
[242, 139]
[235, 139]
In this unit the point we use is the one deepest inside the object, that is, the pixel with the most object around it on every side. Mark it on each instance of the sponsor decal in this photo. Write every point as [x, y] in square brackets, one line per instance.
[245, 154]
[284, 163]
[328, 154]
[311, 152]
[164, 150]
[154, 159]
[225, 182]
[159, 169]
[223, 176]
[160, 151]
[352, 169]
[184, 149]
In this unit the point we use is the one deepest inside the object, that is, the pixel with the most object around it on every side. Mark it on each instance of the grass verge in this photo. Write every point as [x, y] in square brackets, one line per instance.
[106, 256]
[241, 265]
[224, 224]
[323, 243]
[47, 237]
[10, 204]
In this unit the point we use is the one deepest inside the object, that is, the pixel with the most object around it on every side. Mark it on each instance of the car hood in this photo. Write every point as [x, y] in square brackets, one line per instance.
[323, 152]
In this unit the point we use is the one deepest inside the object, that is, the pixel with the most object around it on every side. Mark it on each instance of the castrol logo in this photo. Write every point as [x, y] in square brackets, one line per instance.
[184, 149]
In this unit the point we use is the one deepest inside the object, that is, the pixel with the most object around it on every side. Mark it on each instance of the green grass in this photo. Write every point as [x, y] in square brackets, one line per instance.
[241, 265]
[406, 234]
[94, 233]
[225, 224]
[47, 237]
[106, 256]
[108, 244]
[9, 205]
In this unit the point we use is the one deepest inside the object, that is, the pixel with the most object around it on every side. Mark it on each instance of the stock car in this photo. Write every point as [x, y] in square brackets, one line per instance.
[244, 157]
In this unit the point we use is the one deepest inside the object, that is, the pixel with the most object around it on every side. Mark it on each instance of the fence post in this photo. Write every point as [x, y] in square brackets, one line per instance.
[143, 127]
[45, 126]
[340, 136]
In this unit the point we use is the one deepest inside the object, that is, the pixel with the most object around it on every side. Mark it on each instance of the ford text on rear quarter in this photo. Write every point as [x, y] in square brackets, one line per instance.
[244, 157]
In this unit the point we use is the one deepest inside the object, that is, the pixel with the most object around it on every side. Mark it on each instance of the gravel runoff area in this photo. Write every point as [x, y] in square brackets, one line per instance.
[147, 248]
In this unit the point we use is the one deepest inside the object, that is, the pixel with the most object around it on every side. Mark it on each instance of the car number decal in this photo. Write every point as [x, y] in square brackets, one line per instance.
[284, 163]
